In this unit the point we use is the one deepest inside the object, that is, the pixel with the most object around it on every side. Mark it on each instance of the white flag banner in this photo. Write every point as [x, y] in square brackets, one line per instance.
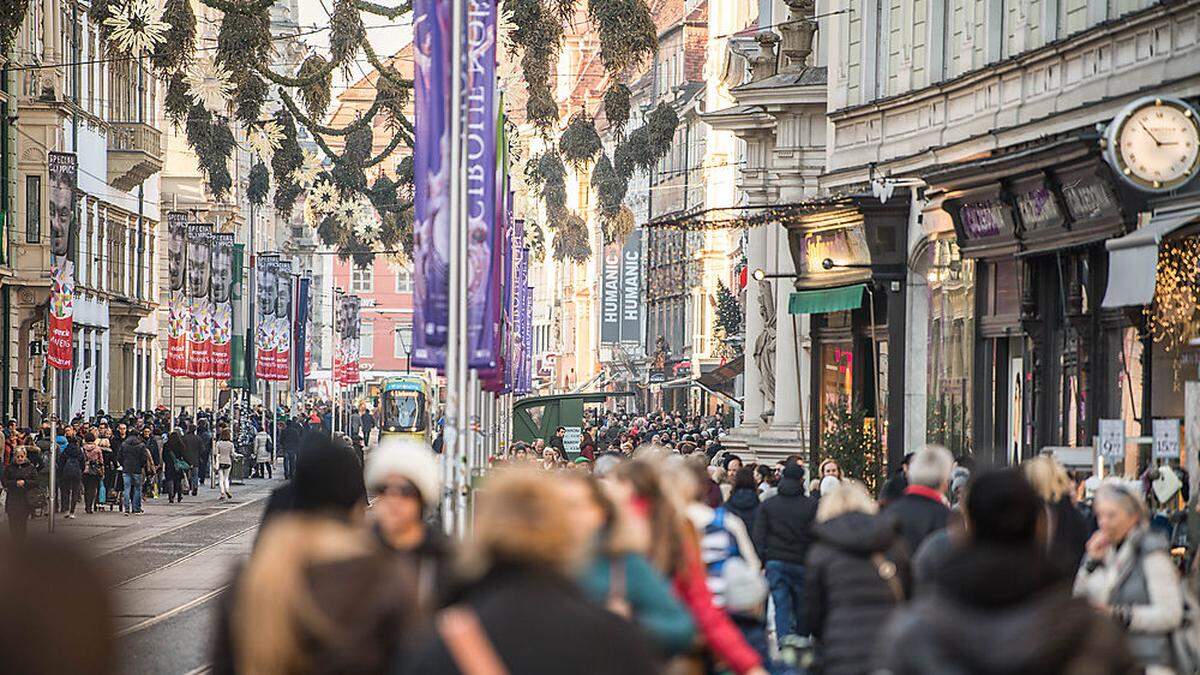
[83, 397]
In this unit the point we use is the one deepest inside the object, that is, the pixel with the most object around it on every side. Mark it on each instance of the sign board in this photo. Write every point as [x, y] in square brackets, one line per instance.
[621, 292]
[571, 440]
[1166, 438]
[1112, 440]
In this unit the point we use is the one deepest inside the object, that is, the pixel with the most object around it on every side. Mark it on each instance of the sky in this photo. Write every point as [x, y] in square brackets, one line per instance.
[386, 36]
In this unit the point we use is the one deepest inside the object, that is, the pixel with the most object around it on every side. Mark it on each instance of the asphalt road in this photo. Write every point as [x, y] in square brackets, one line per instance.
[166, 586]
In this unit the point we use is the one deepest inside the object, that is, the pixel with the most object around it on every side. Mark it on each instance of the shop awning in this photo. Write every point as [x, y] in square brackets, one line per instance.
[826, 300]
[723, 375]
[1133, 259]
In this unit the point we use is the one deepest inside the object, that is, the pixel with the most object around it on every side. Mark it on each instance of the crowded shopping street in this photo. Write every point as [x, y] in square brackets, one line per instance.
[676, 337]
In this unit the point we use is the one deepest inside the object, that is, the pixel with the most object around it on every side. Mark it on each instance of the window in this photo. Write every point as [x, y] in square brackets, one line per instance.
[362, 280]
[404, 281]
[402, 341]
[33, 209]
[366, 339]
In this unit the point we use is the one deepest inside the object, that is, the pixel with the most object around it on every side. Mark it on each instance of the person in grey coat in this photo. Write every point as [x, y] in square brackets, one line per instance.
[1128, 572]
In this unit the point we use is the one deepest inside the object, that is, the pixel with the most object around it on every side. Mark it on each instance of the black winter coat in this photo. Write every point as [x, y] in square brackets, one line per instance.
[918, 517]
[997, 610]
[70, 462]
[133, 455]
[847, 602]
[783, 525]
[193, 447]
[542, 624]
[19, 499]
[172, 450]
[1069, 533]
[744, 504]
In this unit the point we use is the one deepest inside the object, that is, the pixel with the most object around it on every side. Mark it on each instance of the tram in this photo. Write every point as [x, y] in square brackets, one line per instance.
[405, 403]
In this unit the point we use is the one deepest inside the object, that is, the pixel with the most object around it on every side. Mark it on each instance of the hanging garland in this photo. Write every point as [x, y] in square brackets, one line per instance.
[12, 14]
[571, 240]
[286, 161]
[259, 184]
[175, 52]
[579, 142]
[535, 239]
[627, 32]
[1173, 315]
[317, 94]
[616, 105]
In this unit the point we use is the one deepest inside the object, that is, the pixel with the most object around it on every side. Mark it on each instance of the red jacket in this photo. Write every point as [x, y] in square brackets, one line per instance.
[723, 638]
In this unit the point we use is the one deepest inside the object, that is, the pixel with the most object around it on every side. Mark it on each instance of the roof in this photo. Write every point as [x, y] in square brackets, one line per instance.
[802, 78]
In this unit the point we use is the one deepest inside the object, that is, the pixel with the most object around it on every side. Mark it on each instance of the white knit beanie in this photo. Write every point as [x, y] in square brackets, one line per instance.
[410, 460]
[829, 484]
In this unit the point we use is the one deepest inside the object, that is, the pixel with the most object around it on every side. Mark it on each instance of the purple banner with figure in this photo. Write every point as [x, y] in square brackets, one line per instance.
[512, 298]
[483, 275]
[431, 164]
[524, 385]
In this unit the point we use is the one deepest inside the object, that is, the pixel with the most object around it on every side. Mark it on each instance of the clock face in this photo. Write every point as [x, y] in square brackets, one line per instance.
[1157, 144]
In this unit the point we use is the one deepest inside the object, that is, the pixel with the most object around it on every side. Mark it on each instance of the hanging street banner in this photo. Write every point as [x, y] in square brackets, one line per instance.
[348, 345]
[199, 287]
[631, 290]
[83, 393]
[177, 315]
[485, 231]
[513, 342]
[265, 287]
[300, 327]
[222, 306]
[64, 177]
[237, 341]
[284, 288]
[310, 334]
[431, 199]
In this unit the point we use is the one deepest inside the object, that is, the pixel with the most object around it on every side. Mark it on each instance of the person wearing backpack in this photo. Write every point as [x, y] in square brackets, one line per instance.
[70, 470]
[1128, 573]
[93, 470]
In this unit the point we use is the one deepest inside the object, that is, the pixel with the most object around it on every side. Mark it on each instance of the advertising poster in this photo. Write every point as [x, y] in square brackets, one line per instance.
[222, 306]
[177, 315]
[484, 222]
[264, 308]
[237, 342]
[64, 177]
[199, 288]
[300, 327]
[284, 308]
[431, 204]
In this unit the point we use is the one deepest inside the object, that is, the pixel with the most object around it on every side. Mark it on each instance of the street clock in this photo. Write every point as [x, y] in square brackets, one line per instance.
[1154, 143]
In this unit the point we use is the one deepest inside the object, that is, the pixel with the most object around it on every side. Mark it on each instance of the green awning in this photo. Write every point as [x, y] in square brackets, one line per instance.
[826, 300]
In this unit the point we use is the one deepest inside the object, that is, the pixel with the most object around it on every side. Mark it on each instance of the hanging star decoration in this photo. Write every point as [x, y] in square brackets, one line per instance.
[323, 198]
[347, 212]
[209, 85]
[306, 174]
[366, 219]
[265, 139]
[137, 26]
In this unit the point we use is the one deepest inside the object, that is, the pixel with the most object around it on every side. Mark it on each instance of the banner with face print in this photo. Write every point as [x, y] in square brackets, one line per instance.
[348, 345]
[177, 308]
[222, 306]
[484, 223]
[200, 312]
[265, 292]
[284, 301]
[310, 335]
[64, 175]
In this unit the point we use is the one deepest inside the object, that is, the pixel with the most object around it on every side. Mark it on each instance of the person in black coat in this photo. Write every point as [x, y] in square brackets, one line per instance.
[20, 485]
[743, 500]
[70, 474]
[923, 509]
[1066, 529]
[856, 575]
[194, 449]
[782, 534]
[998, 606]
[527, 611]
[173, 455]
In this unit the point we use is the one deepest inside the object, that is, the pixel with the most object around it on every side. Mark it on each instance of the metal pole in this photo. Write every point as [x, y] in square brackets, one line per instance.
[875, 367]
[274, 426]
[53, 459]
[456, 356]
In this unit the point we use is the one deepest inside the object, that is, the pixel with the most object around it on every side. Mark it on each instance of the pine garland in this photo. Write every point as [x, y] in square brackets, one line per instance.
[176, 102]
[627, 32]
[259, 184]
[249, 97]
[610, 186]
[616, 226]
[317, 93]
[174, 54]
[579, 142]
[346, 33]
[616, 105]
[213, 143]
[244, 41]
[535, 239]
[286, 160]
[571, 240]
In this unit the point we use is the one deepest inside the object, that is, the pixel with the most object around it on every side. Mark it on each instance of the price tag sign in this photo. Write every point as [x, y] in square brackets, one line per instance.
[571, 440]
[1112, 440]
[1166, 439]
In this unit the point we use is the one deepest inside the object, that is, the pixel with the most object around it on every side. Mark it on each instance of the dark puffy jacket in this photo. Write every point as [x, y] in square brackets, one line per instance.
[1069, 533]
[133, 454]
[918, 516]
[847, 602]
[744, 504]
[193, 447]
[783, 525]
[998, 610]
[20, 499]
[70, 462]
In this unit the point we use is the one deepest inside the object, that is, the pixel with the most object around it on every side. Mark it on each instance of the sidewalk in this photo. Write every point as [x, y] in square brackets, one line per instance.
[106, 531]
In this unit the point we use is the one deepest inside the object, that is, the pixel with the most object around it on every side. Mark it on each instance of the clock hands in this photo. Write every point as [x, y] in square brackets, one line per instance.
[1150, 133]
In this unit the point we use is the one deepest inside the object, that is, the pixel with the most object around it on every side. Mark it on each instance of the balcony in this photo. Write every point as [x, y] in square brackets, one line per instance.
[134, 154]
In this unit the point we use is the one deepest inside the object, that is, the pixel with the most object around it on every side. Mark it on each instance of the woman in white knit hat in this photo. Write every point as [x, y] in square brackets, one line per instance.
[403, 477]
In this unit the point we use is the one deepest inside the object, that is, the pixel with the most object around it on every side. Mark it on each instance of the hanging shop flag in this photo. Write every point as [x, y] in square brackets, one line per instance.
[513, 302]
[300, 325]
[309, 330]
[199, 286]
[335, 373]
[222, 306]
[176, 361]
[484, 231]
[64, 177]
[265, 286]
[237, 339]
[350, 334]
[284, 303]
[431, 199]
[524, 384]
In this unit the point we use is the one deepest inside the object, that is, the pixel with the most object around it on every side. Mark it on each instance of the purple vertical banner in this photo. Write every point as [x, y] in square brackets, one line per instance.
[431, 163]
[483, 298]
[513, 335]
[300, 325]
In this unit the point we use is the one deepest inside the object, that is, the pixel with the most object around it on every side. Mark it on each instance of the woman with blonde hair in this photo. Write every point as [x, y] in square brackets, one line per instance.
[1065, 528]
[857, 574]
[523, 613]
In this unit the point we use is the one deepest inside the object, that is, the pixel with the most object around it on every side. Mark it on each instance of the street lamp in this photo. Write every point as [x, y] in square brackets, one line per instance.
[408, 347]
[760, 275]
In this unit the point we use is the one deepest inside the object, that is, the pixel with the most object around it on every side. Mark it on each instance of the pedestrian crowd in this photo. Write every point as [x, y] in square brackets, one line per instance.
[675, 556]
